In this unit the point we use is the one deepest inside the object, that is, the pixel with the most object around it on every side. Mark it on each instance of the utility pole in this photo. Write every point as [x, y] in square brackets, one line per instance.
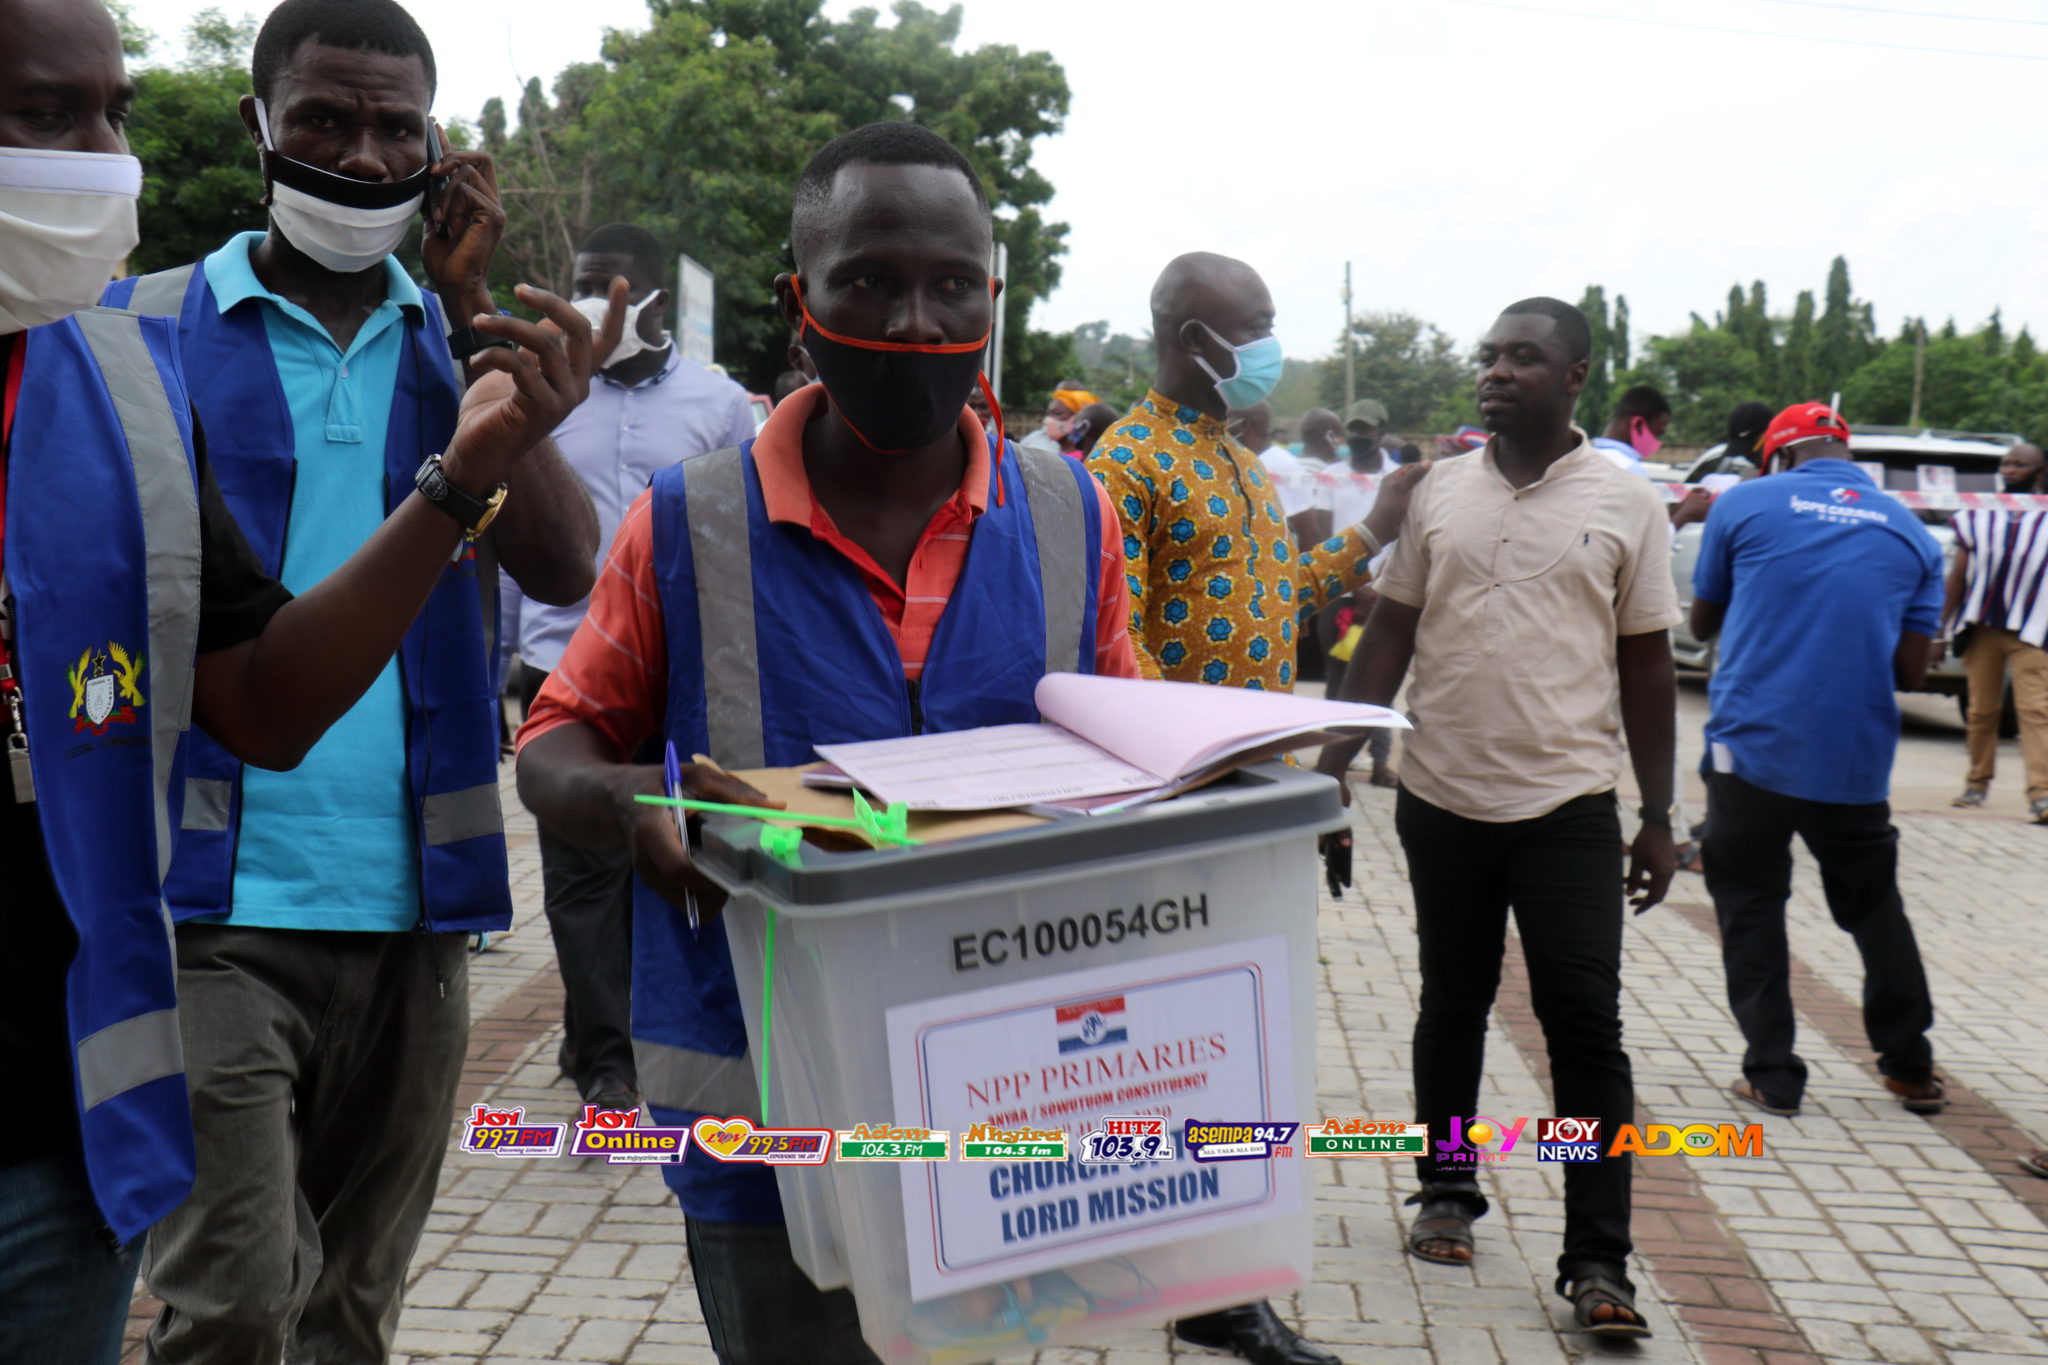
[1350, 346]
[1919, 370]
[999, 266]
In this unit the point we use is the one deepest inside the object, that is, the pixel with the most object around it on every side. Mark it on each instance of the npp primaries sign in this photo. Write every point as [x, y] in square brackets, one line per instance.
[1180, 1035]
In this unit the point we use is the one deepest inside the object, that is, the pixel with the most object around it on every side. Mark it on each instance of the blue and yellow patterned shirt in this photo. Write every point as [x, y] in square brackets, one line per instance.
[1218, 592]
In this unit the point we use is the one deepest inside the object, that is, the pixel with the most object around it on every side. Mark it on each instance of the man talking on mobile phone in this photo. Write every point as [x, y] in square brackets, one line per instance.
[329, 387]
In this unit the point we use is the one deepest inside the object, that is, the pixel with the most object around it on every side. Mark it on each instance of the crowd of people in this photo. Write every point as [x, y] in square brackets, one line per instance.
[286, 494]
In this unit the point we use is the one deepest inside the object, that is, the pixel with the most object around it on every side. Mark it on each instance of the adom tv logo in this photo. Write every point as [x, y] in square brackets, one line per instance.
[1693, 1139]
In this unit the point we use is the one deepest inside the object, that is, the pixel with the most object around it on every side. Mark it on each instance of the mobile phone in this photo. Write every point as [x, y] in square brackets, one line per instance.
[436, 184]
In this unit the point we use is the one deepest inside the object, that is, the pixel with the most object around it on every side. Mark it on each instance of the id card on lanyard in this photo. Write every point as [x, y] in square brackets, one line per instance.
[13, 729]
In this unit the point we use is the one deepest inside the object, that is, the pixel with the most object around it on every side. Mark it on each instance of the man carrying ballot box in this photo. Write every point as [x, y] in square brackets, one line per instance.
[870, 566]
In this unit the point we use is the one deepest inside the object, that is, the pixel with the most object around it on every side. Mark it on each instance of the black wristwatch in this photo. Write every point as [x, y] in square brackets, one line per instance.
[1663, 817]
[473, 512]
[465, 342]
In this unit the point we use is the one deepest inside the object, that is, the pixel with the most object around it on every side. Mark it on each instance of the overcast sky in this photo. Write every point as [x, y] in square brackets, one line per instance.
[1465, 153]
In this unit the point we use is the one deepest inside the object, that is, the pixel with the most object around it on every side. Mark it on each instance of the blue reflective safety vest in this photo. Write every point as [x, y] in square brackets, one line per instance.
[777, 646]
[103, 553]
[444, 662]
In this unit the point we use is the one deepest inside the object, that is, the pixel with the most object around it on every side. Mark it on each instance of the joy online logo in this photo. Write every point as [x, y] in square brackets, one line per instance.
[1472, 1140]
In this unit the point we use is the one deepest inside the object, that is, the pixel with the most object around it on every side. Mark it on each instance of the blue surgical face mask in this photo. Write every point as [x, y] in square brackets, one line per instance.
[1259, 366]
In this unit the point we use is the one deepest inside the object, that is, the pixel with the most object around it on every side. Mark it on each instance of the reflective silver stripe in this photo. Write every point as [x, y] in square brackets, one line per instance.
[161, 295]
[715, 489]
[684, 1078]
[1056, 518]
[170, 520]
[451, 817]
[206, 803]
[122, 1056]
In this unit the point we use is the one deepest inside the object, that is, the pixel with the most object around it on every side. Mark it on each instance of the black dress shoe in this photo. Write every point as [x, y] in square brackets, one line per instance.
[1254, 1332]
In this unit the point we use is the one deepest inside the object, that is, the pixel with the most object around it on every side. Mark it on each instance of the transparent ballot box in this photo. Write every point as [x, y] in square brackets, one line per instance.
[1106, 975]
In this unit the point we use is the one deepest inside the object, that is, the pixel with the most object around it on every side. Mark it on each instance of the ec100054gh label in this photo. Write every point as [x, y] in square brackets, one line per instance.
[1077, 933]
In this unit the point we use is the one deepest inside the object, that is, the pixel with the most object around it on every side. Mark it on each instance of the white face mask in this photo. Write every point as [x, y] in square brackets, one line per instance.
[631, 343]
[67, 221]
[345, 224]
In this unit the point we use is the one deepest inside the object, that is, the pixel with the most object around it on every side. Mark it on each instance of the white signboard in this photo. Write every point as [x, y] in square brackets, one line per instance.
[693, 310]
[1201, 1035]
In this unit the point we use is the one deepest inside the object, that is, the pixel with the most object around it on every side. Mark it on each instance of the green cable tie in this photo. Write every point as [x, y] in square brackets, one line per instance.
[781, 843]
[888, 827]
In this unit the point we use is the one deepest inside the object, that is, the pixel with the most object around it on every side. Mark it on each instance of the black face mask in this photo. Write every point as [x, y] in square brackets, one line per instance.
[897, 397]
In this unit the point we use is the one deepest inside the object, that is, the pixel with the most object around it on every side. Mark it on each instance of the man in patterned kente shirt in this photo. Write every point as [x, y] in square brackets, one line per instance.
[1219, 593]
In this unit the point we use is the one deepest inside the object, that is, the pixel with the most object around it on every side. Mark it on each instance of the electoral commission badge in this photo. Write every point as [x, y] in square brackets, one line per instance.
[106, 688]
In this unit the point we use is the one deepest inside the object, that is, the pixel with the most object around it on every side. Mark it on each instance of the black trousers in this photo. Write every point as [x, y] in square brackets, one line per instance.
[588, 896]
[1748, 851]
[1561, 873]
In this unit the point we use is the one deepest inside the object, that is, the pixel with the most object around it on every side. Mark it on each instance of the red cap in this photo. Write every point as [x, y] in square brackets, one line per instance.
[1803, 422]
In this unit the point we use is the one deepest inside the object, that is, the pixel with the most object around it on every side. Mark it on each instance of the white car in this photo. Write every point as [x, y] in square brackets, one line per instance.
[1974, 456]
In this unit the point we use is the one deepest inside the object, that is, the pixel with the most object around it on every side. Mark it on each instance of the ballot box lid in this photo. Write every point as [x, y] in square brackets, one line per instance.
[1267, 800]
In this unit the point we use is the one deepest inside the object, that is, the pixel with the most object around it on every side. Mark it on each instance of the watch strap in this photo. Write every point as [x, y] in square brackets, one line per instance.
[436, 487]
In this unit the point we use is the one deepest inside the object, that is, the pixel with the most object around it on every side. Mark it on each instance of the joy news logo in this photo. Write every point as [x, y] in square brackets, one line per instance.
[1478, 1141]
[1567, 1139]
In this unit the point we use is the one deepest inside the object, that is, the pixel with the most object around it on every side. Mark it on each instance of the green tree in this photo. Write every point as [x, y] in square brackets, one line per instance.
[202, 184]
[698, 125]
[1300, 388]
[136, 40]
[1704, 372]
[1842, 339]
[1118, 366]
[1798, 368]
[1964, 387]
[1596, 400]
[1402, 361]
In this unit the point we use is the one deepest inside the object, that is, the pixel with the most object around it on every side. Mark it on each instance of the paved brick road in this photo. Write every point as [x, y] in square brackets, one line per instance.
[1863, 1234]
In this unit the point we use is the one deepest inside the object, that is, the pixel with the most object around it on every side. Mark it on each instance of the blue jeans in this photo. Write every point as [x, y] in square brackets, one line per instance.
[64, 1286]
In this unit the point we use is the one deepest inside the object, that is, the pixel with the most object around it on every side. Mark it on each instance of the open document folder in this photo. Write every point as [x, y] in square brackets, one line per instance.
[1104, 742]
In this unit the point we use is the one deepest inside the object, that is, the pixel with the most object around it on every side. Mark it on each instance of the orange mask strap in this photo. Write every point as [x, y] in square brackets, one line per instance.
[796, 282]
[997, 409]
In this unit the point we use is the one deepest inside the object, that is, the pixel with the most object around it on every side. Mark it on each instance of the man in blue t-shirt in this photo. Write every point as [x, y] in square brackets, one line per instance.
[1826, 594]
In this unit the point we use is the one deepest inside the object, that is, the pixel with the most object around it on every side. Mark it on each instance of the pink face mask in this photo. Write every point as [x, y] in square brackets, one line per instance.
[1058, 427]
[1642, 438]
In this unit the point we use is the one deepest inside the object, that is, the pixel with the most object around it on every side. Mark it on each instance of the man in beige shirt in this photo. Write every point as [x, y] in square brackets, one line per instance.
[1531, 590]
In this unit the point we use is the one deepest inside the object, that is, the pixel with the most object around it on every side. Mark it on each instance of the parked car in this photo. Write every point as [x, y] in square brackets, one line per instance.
[1974, 457]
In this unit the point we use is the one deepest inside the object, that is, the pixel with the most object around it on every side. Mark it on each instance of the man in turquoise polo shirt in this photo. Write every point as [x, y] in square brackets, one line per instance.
[324, 912]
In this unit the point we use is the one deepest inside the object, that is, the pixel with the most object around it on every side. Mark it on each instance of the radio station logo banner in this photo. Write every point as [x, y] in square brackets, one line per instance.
[1567, 1139]
[986, 1142]
[1260, 1140]
[505, 1132]
[616, 1135]
[1367, 1137]
[887, 1142]
[1127, 1140]
[738, 1140]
